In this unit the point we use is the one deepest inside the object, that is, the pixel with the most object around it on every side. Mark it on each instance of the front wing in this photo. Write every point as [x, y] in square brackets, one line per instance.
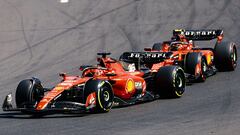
[72, 107]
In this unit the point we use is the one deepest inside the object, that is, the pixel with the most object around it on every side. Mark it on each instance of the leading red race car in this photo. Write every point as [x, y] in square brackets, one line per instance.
[198, 62]
[110, 82]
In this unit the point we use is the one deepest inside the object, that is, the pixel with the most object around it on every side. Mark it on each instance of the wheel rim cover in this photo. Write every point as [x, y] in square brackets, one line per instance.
[106, 95]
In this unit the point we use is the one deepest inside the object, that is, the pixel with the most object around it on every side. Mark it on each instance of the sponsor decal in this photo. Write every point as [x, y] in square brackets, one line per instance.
[209, 59]
[174, 77]
[138, 85]
[200, 33]
[65, 84]
[80, 84]
[212, 57]
[101, 84]
[70, 81]
[134, 55]
[130, 85]
[147, 55]
[59, 88]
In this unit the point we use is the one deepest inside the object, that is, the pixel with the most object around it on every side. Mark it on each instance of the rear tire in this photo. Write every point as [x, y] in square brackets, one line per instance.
[157, 46]
[170, 82]
[225, 56]
[196, 64]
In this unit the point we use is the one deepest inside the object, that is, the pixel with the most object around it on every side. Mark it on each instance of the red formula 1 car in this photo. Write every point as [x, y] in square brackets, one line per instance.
[198, 62]
[109, 83]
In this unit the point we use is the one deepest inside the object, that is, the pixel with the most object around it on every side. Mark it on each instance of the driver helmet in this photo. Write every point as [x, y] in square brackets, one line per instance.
[175, 47]
[179, 37]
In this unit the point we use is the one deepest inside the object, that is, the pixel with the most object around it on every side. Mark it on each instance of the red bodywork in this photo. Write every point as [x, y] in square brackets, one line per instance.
[184, 46]
[109, 69]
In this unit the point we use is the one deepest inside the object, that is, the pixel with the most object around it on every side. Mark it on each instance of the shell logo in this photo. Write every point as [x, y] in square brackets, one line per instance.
[130, 85]
[209, 59]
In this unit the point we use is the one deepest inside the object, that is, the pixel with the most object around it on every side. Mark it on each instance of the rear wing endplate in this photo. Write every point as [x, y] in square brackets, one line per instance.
[199, 34]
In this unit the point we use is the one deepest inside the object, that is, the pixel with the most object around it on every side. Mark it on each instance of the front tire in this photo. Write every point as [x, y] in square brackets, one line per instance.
[104, 98]
[196, 64]
[170, 81]
[103, 94]
[225, 56]
[28, 93]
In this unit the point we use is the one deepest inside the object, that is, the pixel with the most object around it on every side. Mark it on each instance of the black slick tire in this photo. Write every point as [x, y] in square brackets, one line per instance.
[225, 56]
[104, 94]
[195, 64]
[170, 82]
[27, 94]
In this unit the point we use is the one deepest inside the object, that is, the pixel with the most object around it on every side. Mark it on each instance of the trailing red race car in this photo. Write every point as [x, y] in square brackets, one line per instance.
[109, 83]
[198, 63]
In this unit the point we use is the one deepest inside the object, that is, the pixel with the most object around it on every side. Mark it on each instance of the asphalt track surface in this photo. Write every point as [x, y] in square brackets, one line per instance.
[44, 37]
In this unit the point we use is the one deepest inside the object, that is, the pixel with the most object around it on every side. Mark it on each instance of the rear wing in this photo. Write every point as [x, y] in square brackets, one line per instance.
[200, 34]
[145, 57]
